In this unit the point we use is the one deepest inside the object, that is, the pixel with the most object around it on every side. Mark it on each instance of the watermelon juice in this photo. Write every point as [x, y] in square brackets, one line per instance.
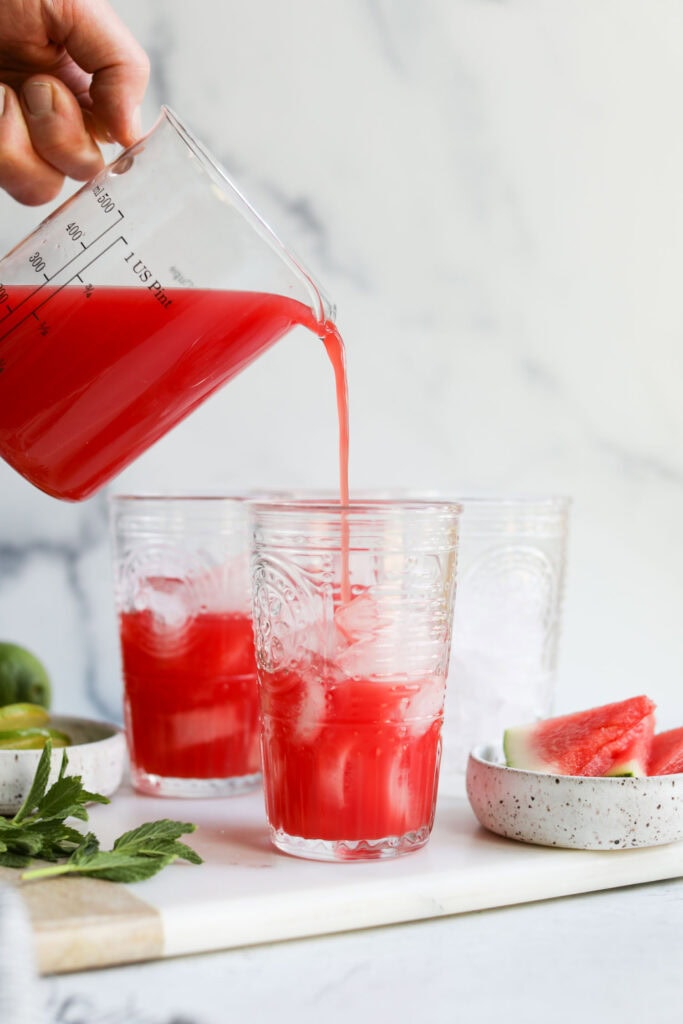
[181, 574]
[351, 759]
[191, 701]
[352, 688]
[91, 376]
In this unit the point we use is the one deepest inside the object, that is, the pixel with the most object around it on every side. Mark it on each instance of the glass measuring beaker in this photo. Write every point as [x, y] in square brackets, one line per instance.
[132, 303]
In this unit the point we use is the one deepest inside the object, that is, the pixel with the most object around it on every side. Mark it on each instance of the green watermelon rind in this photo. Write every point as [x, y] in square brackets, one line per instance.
[517, 749]
[633, 762]
[521, 751]
[627, 770]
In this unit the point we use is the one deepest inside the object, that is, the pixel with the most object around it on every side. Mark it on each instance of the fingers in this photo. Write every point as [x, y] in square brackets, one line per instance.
[57, 129]
[43, 138]
[22, 172]
[98, 41]
[50, 120]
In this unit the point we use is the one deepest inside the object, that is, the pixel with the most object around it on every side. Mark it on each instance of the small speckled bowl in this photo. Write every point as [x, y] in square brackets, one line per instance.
[97, 754]
[573, 811]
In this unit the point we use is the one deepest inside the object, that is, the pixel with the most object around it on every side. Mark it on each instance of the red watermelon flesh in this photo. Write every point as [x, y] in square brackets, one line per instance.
[633, 756]
[588, 742]
[666, 754]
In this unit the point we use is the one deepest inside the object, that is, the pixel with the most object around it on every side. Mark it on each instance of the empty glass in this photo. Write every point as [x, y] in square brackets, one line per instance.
[507, 622]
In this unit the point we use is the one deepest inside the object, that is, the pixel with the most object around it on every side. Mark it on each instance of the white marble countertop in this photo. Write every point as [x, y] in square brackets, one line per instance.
[490, 193]
[596, 957]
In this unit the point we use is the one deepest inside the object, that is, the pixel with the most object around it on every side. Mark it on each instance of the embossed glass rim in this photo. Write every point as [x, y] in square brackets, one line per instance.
[389, 526]
[552, 507]
[178, 496]
[360, 507]
[526, 503]
[178, 514]
[516, 516]
[409, 495]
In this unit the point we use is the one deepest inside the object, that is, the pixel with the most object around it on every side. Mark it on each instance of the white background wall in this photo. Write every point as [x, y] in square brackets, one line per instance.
[491, 194]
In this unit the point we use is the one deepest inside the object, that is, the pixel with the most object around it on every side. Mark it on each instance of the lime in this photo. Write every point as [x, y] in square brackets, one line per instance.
[23, 716]
[32, 739]
[22, 677]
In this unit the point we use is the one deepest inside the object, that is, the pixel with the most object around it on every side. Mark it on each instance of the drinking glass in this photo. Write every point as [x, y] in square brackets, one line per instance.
[353, 608]
[181, 568]
[507, 621]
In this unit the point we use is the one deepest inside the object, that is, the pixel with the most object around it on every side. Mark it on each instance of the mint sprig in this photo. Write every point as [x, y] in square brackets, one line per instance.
[39, 831]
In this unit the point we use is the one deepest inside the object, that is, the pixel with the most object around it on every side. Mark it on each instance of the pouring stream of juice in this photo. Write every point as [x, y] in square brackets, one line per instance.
[334, 346]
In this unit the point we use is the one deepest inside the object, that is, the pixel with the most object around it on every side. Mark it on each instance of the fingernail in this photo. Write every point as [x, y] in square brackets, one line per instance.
[38, 96]
[136, 123]
[2, 100]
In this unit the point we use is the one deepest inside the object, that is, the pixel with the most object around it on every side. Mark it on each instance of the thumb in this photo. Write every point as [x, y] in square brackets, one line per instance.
[98, 41]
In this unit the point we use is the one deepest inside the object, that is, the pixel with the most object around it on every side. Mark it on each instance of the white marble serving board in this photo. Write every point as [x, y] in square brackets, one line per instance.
[247, 893]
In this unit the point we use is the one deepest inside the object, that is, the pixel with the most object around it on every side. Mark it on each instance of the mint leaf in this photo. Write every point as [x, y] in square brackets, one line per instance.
[39, 830]
[66, 799]
[39, 784]
[13, 860]
[135, 856]
[162, 831]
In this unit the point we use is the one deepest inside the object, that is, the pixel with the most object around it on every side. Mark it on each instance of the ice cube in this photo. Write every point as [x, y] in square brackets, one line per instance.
[360, 660]
[425, 704]
[507, 613]
[383, 634]
[399, 795]
[487, 692]
[333, 767]
[166, 597]
[312, 707]
[360, 619]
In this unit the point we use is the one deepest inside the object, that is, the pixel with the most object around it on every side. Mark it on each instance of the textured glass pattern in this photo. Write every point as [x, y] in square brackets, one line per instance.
[352, 616]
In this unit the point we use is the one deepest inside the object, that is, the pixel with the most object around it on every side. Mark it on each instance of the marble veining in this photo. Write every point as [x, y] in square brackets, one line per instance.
[493, 205]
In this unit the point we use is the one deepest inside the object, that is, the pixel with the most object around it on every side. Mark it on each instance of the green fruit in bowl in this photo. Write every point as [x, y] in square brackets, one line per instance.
[32, 739]
[23, 716]
[23, 678]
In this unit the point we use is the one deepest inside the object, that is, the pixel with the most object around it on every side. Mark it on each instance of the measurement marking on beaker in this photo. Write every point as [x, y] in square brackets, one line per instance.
[63, 267]
[93, 260]
[88, 246]
[34, 312]
[43, 327]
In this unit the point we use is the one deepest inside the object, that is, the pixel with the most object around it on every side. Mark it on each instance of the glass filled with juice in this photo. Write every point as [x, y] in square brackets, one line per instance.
[181, 569]
[353, 608]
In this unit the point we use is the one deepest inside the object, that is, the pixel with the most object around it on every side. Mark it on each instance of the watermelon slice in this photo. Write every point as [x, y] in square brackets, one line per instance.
[592, 742]
[633, 757]
[666, 755]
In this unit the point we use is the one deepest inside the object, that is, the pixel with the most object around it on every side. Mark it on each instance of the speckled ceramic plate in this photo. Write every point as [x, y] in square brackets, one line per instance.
[575, 812]
[97, 754]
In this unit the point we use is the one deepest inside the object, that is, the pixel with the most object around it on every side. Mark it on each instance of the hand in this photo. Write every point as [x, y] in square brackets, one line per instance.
[70, 74]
